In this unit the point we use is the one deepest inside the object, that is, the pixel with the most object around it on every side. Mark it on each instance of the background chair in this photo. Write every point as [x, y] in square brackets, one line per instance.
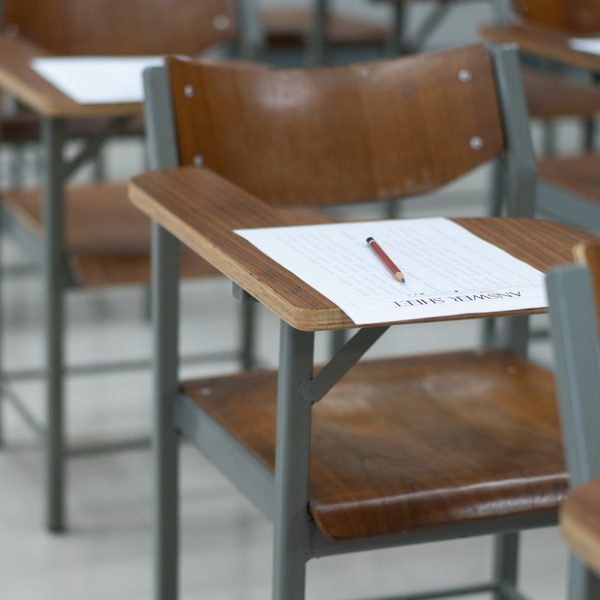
[342, 135]
[574, 309]
[106, 242]
[564, 182]
[553, 90]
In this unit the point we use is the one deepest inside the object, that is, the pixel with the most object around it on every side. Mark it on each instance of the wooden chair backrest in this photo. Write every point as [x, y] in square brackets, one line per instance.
[122, 27]
[345, 134]
[577, 17]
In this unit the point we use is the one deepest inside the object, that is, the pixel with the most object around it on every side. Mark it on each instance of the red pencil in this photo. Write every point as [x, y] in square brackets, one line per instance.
[386, 260]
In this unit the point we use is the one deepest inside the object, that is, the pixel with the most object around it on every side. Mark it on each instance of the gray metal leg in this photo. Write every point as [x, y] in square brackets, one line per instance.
[291, 536]
[589, 134]
[337, 341]
[497, 189]
[248, 326]
[2, 266]
[506, 562]
[165, 308]
[397, 43]
[318, 37]
[54, 275]
[583, 584]
[549, 138]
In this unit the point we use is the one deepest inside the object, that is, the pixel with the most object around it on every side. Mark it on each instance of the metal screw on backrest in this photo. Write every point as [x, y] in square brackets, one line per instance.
[464, 75]
[198, 161]
[188, 91]
[476, 143]
[221, 22]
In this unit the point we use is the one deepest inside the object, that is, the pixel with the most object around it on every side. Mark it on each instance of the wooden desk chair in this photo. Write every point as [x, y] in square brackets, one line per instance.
[398, 451]
[550, 96]
[565, 183]
[574, 294]
[106, 241]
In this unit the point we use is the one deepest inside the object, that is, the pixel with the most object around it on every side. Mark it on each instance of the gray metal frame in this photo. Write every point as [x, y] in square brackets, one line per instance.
[50, 254]
[283, 496]
[577, 368]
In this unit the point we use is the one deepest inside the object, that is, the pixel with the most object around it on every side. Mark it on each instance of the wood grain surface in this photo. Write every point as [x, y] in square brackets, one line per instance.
[413, 443]
[577, 17]
[18, 78]
[107, 238]
[580, 523]
[380, 130]
[203, 209]
[544, 42]
[552, 96]
[290, 26]
[134, 27]
[579, 175]
[25, 127]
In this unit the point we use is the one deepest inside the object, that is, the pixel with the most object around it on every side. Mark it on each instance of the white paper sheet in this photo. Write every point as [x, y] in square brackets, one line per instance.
[591, 45]
[448, 270]
[97, 79]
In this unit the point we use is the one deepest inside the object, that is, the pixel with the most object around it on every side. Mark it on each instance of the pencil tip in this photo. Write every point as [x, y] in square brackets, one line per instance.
[369, 240]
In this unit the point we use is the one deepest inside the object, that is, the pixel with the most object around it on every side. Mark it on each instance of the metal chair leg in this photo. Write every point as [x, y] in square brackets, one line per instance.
[291, 523]
[589, 134]
[506, 563]
[583, 584]
[53, 130]
[549, 139]
[248, 327]
[337, 339]
[1, 335]
[165, 309]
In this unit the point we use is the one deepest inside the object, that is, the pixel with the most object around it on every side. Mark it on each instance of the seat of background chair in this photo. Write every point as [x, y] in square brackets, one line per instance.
[550, 96]
[580, 522]
[579, 175]
[107, 238]
[413, 443]
[289, 26]
[20, 128]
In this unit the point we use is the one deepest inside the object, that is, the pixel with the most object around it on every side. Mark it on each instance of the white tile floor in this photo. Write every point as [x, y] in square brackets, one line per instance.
[226, 545]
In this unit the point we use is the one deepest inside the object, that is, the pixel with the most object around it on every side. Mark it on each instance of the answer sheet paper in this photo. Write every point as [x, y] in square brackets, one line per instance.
[449, 271]
[97, 79]
[590, 45]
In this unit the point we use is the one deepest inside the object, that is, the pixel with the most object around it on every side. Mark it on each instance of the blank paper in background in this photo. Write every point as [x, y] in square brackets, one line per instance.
[449, 271]
[97, 79]
[590, 45]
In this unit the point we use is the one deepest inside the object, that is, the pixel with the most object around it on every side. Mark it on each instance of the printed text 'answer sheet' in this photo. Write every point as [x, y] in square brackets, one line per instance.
[449, 271]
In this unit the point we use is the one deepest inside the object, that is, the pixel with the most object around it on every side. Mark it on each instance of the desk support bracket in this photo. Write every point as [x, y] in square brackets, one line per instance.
[341, 363]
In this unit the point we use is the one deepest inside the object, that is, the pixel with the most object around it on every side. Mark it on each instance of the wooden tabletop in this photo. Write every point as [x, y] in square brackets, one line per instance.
[202, 209]
[18, 78]
[543, 42]
[580, 523]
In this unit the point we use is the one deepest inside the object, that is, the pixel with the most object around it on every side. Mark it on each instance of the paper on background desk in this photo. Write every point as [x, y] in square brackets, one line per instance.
[97, 79]
[590, 45]
[449, 271]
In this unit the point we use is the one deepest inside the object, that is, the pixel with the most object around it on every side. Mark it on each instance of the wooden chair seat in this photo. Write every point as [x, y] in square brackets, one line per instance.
[579, 175]
[289, 27]
[413, 443]
[552, 96]
[580, 522]
[107, 238]
[23, 128]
